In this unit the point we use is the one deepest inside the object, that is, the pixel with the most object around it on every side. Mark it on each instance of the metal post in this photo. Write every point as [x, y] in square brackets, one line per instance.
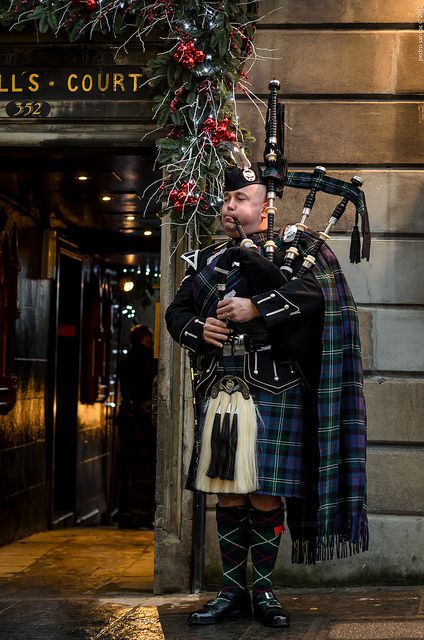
[198, 541]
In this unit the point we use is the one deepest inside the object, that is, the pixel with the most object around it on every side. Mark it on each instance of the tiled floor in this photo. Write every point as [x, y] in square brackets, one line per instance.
[98, 584]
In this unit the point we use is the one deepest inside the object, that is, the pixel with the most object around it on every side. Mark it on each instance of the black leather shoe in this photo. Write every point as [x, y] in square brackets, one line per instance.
[269, 611]
[224, 606]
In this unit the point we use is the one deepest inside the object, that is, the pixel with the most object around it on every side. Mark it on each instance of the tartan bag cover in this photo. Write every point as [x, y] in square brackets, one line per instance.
[333, 516]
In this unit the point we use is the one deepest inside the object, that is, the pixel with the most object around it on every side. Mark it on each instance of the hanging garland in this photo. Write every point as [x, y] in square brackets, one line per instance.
[196, 76]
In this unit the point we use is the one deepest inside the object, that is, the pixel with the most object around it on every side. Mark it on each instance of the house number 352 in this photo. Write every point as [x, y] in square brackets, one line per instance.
[28, 109]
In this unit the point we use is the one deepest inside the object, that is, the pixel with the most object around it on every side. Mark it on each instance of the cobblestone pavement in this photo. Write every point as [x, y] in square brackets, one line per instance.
[98, 584]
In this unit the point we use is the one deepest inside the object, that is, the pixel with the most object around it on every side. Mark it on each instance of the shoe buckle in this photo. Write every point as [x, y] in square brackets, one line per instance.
[268, 595]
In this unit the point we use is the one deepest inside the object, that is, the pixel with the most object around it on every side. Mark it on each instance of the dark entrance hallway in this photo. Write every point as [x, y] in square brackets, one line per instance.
[86, 221]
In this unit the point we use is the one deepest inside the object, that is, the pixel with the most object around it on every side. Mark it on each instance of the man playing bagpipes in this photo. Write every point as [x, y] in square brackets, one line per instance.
[279, 392]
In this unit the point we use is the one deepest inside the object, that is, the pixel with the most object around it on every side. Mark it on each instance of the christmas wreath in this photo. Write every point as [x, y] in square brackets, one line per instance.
[196, 75]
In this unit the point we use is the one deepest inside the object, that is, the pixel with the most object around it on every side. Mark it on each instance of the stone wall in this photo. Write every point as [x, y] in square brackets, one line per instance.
[351, 79]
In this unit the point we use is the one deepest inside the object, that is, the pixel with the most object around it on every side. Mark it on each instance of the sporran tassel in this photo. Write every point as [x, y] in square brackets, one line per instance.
[215, 440]
[224, 446]
[233, 447]
[238, 455]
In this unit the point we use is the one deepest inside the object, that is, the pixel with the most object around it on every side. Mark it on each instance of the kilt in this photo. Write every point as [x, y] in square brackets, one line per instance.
[281, 437]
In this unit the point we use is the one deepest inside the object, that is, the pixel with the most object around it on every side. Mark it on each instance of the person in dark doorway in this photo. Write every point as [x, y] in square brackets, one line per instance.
[280, 403]
[136, 372]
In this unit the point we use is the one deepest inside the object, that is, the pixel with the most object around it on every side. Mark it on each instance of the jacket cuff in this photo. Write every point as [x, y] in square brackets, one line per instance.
[274, 307]
[191, 335]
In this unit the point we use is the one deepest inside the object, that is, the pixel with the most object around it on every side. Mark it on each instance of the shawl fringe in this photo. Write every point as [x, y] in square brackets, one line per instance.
[309, 550]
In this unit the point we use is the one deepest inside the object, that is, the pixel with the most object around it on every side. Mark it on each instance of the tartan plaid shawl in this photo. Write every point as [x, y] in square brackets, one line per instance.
[333, 516]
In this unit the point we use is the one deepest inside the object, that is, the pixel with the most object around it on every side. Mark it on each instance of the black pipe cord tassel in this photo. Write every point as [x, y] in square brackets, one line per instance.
[233, 447]
[355, 244]
[224, 446]
[215, 446]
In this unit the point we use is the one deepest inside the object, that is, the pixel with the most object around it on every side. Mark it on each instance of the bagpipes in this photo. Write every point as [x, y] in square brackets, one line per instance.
[227, 462]
[276, 177]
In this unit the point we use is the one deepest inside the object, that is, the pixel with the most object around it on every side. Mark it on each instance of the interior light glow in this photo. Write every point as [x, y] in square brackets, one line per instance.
[82, 178]
[147, 232]
[126, 284]
[106, 198]
[129, 217]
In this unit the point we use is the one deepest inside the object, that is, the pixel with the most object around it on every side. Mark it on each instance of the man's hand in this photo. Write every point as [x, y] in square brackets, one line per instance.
[237, 310]
[215, 332]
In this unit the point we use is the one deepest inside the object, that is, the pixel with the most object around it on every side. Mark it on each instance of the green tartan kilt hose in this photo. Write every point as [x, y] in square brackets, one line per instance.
[281, 437]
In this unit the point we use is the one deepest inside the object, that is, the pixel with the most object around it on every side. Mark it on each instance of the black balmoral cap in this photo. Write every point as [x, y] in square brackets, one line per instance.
[236, 178]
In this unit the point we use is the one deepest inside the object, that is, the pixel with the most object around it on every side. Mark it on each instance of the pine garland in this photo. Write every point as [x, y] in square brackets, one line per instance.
[196, 75]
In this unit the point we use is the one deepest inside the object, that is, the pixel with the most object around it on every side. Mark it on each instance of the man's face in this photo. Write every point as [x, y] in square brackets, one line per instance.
[248, 206]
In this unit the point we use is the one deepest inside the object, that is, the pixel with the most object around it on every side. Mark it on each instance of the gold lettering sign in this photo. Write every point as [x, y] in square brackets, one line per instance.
[55, 83]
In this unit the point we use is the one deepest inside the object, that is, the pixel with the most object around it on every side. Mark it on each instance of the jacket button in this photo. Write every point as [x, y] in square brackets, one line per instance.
[272, 295]
[286, 307]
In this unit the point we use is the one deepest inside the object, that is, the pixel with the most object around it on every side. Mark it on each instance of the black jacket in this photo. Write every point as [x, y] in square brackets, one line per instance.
[291, 317]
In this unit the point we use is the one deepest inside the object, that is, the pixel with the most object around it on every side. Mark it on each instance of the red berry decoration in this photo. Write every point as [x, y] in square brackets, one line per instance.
[199, 56]
[184, 196]
[187, 54]
[91, 5]
[174, 102]
[217, 130]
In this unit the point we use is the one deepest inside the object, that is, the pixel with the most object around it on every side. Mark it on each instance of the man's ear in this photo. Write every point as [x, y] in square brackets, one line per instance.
[263, 210]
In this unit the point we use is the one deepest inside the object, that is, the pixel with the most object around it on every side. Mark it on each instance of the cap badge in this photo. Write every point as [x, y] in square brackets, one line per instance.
[249, 175]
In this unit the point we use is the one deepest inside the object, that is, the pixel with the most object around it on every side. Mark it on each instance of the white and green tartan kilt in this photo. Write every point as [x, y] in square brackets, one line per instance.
[281, 437]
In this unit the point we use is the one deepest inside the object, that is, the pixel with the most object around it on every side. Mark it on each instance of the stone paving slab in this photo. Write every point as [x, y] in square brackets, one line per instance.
[398, 630]
[141, 623]
[58, 619]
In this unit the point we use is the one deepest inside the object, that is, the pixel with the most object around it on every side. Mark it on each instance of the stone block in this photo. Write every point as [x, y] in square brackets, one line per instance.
[395, 410]
[366, 331]
[327, 12]
[395, 479]
[398, 339]
[409, 66]
[388, 278]
[396, 555]
[395, 200]
[392, 339]
[324, 132]
[292, 52]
